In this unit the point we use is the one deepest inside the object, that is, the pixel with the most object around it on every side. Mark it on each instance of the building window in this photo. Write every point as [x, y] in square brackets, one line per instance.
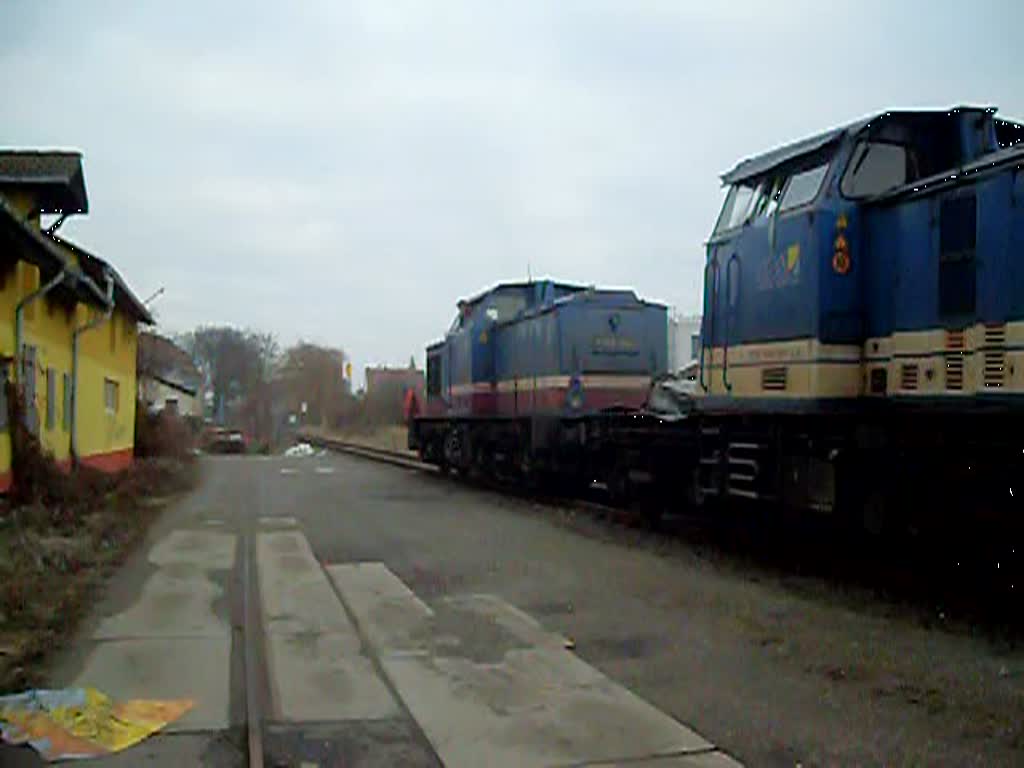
[66, 413]
[111, 395]
[51, 398]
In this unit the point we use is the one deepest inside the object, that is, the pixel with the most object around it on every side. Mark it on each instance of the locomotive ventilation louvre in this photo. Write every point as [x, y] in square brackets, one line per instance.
[994, 356]
[908, 376]
[773, 379]
[954, 360]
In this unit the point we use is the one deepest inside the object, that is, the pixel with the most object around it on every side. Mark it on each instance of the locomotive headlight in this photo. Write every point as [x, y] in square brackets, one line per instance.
[574, 397]
[841, 254]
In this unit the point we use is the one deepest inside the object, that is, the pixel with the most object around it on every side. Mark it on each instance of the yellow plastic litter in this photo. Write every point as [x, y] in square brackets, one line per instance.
[82, 722]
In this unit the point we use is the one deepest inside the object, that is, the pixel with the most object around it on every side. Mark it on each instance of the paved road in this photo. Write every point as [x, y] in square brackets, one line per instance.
[406, 620]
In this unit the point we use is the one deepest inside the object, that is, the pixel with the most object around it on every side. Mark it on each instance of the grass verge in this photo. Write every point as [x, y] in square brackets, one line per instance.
[57, 548]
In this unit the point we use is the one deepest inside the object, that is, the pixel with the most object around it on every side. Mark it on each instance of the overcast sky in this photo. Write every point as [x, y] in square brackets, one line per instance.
[342, 172]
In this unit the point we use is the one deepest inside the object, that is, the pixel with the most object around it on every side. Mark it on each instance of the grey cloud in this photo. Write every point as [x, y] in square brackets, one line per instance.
[343, 171]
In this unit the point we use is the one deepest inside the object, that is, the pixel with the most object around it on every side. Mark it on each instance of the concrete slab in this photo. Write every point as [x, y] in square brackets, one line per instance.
[154, 668]
[283, 521]
[505, 615]
[388, 610]
[712, 759]
[537, 707]
[295, 595]
[522, 700]
[352, 744]
[207, 550]
[176, 601]
[324, 677]
[210, 750]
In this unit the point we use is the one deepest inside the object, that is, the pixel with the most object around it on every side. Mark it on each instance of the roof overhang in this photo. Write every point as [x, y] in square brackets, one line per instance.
[97, 269]
[24, 242]
[175, 385]
[55, 177]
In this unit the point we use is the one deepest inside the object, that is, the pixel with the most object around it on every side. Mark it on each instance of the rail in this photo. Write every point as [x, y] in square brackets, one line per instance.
[400, 458]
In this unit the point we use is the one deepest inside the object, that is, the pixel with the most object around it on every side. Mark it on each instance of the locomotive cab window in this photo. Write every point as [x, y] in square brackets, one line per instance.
[803, 187]
[876, 167]
[434, 375]
[737, 207]
[769, 194]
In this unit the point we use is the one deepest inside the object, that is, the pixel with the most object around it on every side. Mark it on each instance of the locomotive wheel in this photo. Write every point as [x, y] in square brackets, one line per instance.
[620, 487]
[874, 514]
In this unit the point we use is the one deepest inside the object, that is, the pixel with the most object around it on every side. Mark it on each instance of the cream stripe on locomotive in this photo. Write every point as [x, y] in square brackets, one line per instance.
[588, 380]
[469, 389]
[799, 368]
[980, 359]
[937, 362]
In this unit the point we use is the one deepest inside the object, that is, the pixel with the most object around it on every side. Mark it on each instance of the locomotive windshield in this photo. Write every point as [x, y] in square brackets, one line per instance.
[782, 191]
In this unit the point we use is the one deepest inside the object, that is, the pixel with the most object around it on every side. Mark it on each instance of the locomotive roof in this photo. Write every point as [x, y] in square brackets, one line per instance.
[520, 285]
[760, 164]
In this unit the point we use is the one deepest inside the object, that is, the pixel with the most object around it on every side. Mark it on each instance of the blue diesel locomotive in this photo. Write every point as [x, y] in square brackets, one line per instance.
[524, 368]
[863, 333]
[862, 342]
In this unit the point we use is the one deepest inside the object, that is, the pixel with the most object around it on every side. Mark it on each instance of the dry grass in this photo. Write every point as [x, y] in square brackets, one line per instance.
[61, 533]
[52, 559]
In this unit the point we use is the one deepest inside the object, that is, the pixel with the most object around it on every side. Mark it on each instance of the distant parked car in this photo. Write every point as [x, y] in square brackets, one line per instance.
[223, 440]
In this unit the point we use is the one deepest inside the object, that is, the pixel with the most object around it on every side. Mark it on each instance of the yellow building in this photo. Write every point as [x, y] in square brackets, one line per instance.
[68, 321]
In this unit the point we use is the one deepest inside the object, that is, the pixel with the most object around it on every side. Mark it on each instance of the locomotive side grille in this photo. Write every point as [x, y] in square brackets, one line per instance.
[955, 360]
[994, 356]
[908, 376]
[774, 379]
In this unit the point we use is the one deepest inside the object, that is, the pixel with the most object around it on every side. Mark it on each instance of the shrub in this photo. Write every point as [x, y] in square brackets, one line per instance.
[162, 435]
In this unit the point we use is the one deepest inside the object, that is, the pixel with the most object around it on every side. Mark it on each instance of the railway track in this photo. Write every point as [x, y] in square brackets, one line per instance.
[958, 583]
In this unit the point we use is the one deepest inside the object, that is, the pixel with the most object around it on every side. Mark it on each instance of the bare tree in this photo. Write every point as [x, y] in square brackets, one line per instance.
[236, 361]
[315, 375]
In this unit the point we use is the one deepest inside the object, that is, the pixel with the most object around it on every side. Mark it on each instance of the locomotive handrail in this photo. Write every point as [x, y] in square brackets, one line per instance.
[712, 265]
[725, 341]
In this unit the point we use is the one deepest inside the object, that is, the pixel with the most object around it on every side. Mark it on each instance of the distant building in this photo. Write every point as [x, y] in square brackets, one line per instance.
[168, 379]
[683, 340]
[398, 380]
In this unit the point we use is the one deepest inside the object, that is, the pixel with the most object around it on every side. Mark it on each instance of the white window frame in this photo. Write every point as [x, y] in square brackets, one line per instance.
[111, 386]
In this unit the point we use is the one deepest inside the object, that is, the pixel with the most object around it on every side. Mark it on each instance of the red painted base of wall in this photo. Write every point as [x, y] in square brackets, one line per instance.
[115, 461]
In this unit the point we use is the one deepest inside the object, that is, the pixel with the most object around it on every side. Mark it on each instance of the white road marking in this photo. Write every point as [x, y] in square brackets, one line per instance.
[324, 470]
[317, 669]
[530, 703]
[289, 471]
